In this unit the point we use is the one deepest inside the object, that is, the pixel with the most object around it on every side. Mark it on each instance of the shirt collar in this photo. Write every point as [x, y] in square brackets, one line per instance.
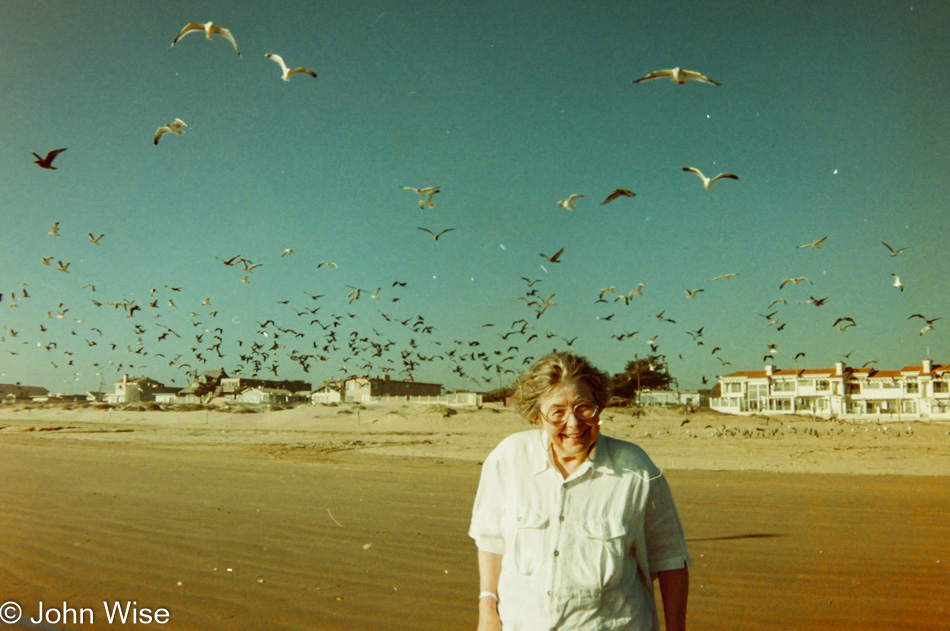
[599, 458]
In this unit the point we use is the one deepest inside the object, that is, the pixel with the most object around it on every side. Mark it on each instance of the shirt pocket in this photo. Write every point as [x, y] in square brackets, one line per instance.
[605, 544]
[530, 529]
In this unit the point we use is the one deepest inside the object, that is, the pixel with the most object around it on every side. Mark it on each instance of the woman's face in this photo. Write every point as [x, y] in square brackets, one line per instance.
[573, 437]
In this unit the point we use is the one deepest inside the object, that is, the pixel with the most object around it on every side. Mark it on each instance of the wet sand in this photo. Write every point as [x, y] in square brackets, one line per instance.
[323, 531]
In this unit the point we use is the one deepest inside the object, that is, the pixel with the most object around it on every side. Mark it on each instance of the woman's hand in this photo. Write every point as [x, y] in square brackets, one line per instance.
[488, 619]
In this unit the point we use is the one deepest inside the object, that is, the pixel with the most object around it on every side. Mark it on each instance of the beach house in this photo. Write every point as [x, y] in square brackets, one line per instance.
[912, 392]
[366, 388]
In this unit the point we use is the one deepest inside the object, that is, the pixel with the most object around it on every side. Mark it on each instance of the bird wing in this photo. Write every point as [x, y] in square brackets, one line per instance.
[696, 171]
[227, 35]
[557, 255]
[302, 70]
[159, 132]
[426, 230]
[722, 176]
[617, 193]
[277, 59]
[443, 232]
[888, 247]
[188, 28]
[655, 75]
[699, 77]
[52, 154]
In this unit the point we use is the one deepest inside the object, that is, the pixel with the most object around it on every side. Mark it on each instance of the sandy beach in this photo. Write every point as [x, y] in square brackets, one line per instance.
[355, 517]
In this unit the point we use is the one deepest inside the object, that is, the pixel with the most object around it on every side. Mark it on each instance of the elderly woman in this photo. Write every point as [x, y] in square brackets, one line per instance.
[572, 527]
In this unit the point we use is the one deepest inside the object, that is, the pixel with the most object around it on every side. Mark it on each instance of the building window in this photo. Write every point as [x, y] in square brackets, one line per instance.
[941, 387]
[734, 388]
[853, 387]
[783, 386]
[912, 387]
[822, 384]
[909, 407]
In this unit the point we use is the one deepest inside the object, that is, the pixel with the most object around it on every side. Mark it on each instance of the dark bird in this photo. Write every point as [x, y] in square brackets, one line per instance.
[618, 192]
[892, 250]
[435, 237]
[47, 162]
[554, 258]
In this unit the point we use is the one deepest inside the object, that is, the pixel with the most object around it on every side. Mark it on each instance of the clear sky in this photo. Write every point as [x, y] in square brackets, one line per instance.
[832, 114]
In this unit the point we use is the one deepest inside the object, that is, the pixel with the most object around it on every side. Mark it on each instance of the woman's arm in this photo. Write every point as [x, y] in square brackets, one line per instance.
[674, 591]
[489, 569]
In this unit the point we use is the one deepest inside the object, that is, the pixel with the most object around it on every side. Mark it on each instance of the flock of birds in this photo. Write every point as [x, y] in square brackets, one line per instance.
[172, 327]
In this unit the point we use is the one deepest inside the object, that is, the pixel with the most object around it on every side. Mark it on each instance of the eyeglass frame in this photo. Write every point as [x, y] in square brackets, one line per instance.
[573, 410]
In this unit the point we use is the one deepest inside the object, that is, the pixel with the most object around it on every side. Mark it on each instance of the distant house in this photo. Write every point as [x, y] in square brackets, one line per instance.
[326, 394]
[650, 398]
[269, 396]
[10, 393]
[365, 388]
[913, 391]
[136, 389]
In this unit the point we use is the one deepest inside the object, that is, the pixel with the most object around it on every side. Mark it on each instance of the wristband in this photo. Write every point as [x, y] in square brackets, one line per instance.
[488, 595]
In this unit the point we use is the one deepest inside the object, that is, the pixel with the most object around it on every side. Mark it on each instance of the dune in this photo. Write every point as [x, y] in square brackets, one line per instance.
[354, 516]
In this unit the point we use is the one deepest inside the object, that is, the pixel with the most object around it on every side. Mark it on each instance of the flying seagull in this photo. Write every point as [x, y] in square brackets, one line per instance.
[47, 162]
[725, 276]
[569, 202]
[210, 29]
[554, 258]
[692, 293]
[897, 282]
[846, 323]
[174, 128]
[814, 245]
[435, 237]
[678, 75]
[95, 240]
[54, 231]
[427, 193]
[707, 182]
[287, 72]
[798, 281]
[892, 250]
[618, 192]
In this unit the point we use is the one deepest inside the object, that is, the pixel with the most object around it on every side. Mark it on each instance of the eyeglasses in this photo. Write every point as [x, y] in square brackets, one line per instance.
[583, 412]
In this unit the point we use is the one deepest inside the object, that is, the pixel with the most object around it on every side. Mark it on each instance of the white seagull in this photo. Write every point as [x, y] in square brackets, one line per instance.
[427, 193]
[54, 231]
[287, 72]
[569, 202]
[209, 29]
[897, 282]
[707, 182]
[174, 128]
[814, 245]
[678, 75]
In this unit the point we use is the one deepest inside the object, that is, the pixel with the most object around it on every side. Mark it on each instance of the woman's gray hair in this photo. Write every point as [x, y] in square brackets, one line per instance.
[551, 371]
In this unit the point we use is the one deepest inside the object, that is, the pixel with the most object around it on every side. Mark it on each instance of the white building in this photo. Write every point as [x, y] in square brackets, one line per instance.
[272, 396]
[913, 392]
[326, 394]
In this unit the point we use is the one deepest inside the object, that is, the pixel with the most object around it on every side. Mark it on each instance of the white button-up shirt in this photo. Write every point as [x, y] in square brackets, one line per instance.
[577, 553]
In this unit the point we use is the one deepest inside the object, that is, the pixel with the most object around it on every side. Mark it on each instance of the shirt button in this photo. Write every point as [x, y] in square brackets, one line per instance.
[549, 593]
[561, 518]
[556, 553]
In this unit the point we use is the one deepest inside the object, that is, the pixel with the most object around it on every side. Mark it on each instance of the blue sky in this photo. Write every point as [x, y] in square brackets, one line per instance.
[832, 115]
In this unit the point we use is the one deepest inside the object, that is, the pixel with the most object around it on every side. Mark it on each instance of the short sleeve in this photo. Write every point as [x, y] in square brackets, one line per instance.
[485, 528]
[665, 541]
